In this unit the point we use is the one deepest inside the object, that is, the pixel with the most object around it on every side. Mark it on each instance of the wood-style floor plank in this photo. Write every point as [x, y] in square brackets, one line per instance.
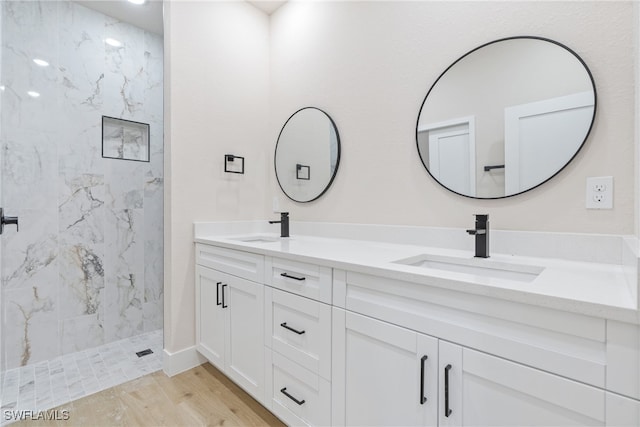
[202, 396]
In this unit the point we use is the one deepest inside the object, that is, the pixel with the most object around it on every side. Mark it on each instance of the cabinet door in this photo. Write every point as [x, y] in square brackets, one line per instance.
[210, 317]
[484, 390]
[244, 350]
[622, 411]
[390, 375]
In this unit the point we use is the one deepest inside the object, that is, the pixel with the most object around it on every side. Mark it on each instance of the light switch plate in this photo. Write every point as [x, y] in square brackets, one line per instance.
[599, 194]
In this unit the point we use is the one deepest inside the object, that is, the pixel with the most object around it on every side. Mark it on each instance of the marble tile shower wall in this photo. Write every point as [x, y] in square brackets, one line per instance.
[86, 267]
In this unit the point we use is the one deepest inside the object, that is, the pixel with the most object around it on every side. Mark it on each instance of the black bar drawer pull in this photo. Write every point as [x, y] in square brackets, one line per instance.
[447, 411]
[423, 398]
[284, 325]
[288, 276]
[218, 293]
[223, 304]
[284, 391]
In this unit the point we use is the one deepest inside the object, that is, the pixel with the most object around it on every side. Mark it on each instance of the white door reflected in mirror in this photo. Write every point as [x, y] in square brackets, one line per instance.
[532, 102]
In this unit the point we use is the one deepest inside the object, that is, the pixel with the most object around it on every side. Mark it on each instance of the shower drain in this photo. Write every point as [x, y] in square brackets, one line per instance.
[144, 352]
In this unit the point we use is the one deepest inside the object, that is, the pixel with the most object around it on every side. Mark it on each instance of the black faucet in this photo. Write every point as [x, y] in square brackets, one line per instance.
[482, 236]
[284, 224]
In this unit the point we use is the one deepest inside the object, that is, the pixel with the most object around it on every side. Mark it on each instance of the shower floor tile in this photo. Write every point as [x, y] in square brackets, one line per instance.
[55, 382]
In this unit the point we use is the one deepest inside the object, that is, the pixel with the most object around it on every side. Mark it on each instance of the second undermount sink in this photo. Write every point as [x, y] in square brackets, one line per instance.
[257, 239]
[475, 266]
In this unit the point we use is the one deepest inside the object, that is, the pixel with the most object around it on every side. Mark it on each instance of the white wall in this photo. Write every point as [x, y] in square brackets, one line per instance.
[216, 94]
[232, 78]
[370, 64]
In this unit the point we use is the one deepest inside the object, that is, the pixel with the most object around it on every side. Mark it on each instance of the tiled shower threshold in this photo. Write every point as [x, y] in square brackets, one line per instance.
[55, 382]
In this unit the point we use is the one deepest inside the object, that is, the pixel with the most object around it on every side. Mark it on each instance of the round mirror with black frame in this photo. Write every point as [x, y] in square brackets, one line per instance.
[506, 117]
[307, 154]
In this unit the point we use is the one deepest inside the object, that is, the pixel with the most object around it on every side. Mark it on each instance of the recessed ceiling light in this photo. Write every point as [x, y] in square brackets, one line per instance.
[138, 1]
[113, 42]
[41, 62]
[2, 88]
[33, 94]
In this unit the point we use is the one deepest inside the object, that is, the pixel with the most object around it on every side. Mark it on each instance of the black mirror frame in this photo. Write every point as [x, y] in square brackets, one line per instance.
[593, 118]
[335, 171]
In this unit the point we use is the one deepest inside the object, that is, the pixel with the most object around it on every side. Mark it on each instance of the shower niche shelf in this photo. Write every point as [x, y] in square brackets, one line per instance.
[125, 139]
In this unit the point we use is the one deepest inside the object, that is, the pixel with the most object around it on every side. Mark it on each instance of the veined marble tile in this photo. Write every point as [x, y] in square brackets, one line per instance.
[153, 74]
[27, 396]
[81, 57]
[153, 232]
[81, 281]
[30, 26]
[156, 158]
[125, 180]
[82, 332]
[80, 144]
[28, 172]
[81, 209]
[30, 324]
[29, 256]
[123, 309]
[58, 270]
[124, 243]
[124, 86]
[153, 314]
[10, 389]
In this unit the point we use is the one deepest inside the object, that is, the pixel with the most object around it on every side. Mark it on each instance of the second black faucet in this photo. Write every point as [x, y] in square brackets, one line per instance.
[482, 236]
[284, 224]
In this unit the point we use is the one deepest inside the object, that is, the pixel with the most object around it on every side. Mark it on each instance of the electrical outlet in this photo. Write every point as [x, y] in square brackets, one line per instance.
[599, 192]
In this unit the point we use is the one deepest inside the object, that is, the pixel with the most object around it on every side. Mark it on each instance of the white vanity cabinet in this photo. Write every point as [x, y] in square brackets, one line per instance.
[325, 346]
[485, 390]
[298, 334]
[229, 322]
[388, 375]
[383, 374]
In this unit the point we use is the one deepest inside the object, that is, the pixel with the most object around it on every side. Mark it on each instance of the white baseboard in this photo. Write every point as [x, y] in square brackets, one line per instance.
[180, 361]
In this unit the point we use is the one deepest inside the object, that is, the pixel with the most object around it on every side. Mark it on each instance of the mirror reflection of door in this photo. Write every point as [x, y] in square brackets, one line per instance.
[452, 153]
[486, 82]
[540, 136]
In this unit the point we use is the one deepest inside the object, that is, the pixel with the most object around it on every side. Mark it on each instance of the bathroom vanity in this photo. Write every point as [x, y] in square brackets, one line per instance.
[327, 330]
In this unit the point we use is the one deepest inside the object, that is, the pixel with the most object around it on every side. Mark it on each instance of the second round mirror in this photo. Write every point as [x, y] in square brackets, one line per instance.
[506, 117]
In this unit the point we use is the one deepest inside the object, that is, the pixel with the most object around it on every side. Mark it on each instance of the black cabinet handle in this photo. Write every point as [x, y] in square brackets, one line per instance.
[284, 391]
[423, 398]
[447, 411]
[218, 293]
[288, 276]
[284, 325]
[223, 304]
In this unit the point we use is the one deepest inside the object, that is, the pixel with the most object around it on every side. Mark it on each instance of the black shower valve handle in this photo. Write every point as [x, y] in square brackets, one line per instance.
[6, 220]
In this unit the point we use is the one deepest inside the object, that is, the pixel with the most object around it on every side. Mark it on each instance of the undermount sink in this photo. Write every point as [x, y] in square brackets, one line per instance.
[257, 239]
[475, 266]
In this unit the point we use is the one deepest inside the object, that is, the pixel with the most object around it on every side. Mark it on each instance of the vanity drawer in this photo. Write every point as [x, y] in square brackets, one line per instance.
[298, 396]
[300, 329]
[309, 280]
[242, 264]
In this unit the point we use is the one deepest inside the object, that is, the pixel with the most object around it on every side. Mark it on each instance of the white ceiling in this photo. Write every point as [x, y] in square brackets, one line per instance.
[267, 6]
[149, 15]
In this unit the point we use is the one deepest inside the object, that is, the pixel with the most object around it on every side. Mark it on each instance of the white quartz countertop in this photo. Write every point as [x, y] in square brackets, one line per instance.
[597, 289]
